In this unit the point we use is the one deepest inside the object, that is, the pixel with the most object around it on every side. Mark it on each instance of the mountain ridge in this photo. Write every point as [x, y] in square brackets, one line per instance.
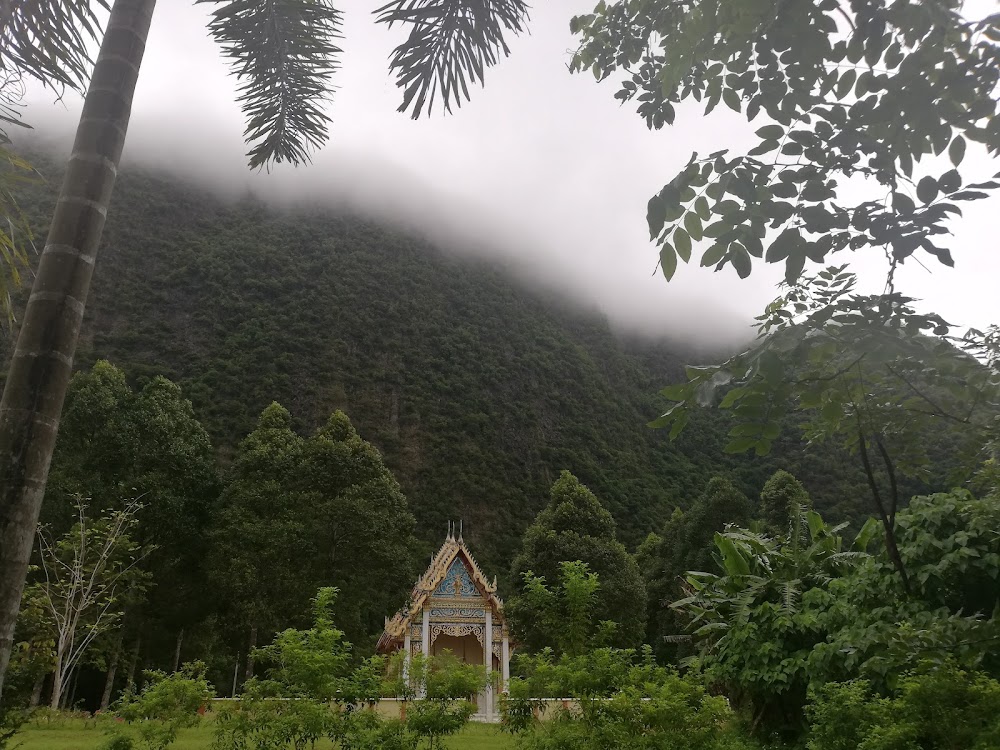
[477, 390]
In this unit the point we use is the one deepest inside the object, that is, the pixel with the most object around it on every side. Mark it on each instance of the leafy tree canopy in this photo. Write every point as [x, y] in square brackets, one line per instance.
[298, 512]
[782, 495]
[575, 527]
[858, 99]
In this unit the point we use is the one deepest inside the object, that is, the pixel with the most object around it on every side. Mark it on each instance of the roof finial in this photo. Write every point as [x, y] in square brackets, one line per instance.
[447, 536]
[460, 530]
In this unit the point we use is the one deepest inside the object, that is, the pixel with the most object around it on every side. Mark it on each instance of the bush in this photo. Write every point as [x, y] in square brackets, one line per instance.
[943, 709]
[11, 720]
[166, 704]
[620, 701]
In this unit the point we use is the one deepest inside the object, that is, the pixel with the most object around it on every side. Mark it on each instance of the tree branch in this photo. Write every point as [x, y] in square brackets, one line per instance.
[938, 410]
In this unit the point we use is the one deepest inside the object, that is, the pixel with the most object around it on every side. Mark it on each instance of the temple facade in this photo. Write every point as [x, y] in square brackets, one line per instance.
[453, 607]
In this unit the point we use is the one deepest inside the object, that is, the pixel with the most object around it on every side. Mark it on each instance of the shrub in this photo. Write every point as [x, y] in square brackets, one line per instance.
[943, 709]
[166, 704]
[620, 701]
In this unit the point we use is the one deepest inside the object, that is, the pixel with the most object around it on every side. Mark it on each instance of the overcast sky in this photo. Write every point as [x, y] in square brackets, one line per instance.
[542, 167]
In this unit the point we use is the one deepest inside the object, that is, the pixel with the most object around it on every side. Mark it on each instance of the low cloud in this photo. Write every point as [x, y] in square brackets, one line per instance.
[542, 172]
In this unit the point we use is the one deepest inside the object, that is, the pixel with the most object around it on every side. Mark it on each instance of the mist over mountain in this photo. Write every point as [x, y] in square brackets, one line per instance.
[592, 258]
[477, 389]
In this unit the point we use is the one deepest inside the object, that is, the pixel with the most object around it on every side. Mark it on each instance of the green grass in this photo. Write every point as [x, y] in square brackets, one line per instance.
[77, 735]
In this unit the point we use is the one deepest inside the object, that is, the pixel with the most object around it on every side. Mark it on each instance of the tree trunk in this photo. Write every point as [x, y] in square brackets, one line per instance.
[177, 651]
[71, 693]
[42, 362]
[36, 692]
[109, 682]
[57, 689]
[132, 664]
[253, 645]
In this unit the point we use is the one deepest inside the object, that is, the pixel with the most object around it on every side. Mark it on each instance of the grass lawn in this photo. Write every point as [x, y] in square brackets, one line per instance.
[73, 735]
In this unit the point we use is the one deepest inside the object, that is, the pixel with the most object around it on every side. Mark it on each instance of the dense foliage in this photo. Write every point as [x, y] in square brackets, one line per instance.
[298, 513]
[791, 613]
[576, 527]
[946, 709]
[618, 699]
[314, 689]
[686, 543]
[477, 391]
[855, 94]
[119, 443]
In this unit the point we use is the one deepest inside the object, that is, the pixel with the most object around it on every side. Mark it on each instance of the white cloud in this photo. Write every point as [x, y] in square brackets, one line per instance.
[542, 168]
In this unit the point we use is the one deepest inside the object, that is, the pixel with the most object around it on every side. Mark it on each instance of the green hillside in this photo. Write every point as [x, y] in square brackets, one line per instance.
[477, 391]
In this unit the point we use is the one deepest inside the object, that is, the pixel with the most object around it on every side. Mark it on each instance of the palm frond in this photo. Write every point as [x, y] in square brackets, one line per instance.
[283, 53]
[15, 230]
[790, 594]
[450, 45]
[47, 39]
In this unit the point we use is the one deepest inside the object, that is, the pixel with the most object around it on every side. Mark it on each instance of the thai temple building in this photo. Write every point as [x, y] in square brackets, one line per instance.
[454, 607]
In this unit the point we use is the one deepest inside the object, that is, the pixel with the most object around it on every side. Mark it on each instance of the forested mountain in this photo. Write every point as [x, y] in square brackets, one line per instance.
[477, 391]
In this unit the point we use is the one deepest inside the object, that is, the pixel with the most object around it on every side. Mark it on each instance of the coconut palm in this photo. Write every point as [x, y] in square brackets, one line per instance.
[284, 54]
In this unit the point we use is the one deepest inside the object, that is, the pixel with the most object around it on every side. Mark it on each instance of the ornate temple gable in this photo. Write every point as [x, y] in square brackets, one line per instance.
[457, 583]
[453, 588]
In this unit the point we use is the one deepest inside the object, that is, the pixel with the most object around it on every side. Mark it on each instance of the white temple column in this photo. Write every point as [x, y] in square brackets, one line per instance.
[426, 635]
[406, 655]
[488, 648]
[505, 661]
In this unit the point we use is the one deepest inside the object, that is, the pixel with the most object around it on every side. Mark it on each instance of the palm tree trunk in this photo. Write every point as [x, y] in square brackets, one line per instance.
[43, 358]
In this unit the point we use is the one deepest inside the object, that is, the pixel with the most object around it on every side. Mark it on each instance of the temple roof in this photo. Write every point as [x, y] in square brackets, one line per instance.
[454, 548]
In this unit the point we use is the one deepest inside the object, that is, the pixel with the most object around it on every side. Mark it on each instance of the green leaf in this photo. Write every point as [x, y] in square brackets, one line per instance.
[741, 445]
[668, 261]
[927, 189]
[713, 255]
[902, 203]
[692, 222]
[846, 83]
[770, 132]
[793, 267]
[956, 151]
[682, 242]
[740, 259]
[718, 229]
[733, 561]
[764, 147]
[732, 397]
[732, 99]
[656, 215]
[783, 246]
[950, 181]
[677, 392]
[868, 532]
[679, 424]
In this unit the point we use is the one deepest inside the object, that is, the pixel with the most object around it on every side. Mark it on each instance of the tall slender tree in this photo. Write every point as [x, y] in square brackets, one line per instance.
[283, 52]
[574, 526]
